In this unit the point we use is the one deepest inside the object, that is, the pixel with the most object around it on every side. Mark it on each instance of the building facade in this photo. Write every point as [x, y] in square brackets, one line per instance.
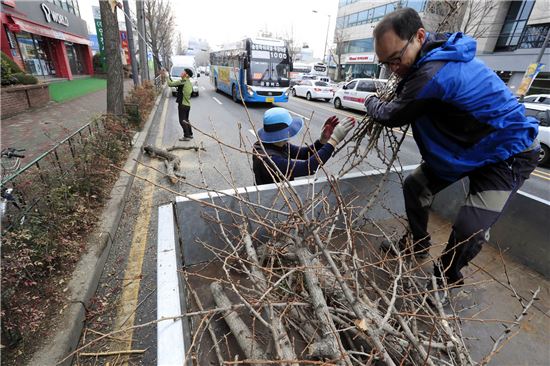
[353, 34]
[46, 38]
[510, 35]
[515, 33]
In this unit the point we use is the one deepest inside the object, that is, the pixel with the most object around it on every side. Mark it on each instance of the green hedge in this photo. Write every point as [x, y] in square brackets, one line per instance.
[25, 78]
[14, 68]
[12, 73]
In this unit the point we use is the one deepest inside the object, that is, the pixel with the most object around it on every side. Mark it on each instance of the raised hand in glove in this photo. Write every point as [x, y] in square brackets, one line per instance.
[341, 130]
[327, 129]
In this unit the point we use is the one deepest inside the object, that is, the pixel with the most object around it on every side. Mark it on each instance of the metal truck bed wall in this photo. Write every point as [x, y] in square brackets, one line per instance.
[523, 229]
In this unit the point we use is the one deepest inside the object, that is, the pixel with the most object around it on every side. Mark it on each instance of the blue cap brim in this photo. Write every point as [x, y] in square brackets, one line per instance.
[295, 127]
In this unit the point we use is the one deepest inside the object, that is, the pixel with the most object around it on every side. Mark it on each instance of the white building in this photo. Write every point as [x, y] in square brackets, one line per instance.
[510, 36]
[354, 26]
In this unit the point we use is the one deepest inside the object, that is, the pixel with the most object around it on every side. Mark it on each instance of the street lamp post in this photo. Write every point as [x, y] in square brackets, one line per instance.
[326, 38]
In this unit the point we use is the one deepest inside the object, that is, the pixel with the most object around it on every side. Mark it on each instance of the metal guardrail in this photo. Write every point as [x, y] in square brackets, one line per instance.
[158, 83]
[61, 158]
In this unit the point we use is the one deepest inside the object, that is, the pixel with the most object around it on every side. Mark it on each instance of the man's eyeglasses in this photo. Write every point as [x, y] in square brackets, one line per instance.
[395, 61]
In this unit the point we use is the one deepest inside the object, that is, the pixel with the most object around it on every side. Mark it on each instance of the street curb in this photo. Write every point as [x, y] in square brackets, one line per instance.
[86, 275]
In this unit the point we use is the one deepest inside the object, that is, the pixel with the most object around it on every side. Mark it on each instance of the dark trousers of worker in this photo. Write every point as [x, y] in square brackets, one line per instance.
[183, 114]
[491, 188]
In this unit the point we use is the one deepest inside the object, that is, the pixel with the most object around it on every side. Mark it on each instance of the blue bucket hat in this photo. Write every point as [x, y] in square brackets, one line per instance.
[279, 125]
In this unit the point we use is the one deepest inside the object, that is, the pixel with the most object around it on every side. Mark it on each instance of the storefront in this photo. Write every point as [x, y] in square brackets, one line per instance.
[359, 66]
[46, 39]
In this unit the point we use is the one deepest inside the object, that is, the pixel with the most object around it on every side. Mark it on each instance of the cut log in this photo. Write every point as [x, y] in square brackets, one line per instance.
[330, 345]
[171, 161]
[252, 349]
[175, 147]
[283, 346]
[157, 151]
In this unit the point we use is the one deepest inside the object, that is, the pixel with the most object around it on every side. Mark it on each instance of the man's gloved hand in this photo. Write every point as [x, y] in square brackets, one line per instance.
[341, 130]
[327, 129]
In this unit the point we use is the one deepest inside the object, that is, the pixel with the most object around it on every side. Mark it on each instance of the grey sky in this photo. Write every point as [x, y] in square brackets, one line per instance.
[220, 21]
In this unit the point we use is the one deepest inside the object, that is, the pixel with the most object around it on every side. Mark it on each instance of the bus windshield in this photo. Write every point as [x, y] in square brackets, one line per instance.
[269, 67]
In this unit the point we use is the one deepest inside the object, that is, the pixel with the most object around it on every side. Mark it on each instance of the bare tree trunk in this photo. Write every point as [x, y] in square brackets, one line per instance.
[115, 83]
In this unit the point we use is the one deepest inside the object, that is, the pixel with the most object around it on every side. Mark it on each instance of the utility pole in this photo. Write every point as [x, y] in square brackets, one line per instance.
[142, 45]
[532, 71]
[130, 33]
[543, 48]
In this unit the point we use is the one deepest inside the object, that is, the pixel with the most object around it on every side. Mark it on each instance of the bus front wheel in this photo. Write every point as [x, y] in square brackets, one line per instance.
[216, 84]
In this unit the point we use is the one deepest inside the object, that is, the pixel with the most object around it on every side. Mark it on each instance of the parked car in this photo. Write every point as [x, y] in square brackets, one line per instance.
[353, 94]
[541, 112]
[297, 81]
[312, 89]
[538, 98]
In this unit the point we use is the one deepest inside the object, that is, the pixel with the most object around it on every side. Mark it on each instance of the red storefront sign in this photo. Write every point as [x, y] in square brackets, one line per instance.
[47, 32]
[360, 58]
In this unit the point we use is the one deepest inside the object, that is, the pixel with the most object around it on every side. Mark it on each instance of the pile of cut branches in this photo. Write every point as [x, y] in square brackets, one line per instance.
[303, 285]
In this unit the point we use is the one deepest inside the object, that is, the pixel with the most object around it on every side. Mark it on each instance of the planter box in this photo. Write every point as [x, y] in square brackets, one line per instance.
[17, 99]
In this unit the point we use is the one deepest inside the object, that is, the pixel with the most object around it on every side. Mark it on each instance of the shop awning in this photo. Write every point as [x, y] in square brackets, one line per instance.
[48, 32]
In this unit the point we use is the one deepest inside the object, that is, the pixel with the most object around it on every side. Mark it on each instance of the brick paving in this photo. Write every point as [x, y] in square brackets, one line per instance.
[40, 129]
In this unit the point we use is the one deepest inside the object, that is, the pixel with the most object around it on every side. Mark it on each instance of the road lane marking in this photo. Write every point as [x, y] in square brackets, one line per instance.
[216, 99]
[128, 302]
[252, 132]
[540, 175]
[298, 114]
[203, 88]
[542, 172]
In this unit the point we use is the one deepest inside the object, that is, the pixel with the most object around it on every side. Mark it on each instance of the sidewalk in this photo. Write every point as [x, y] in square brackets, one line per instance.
[39, 130]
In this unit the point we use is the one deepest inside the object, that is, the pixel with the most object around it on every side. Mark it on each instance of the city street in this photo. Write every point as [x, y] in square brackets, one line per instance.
[216, 111]
[117, 221]
[127, 291]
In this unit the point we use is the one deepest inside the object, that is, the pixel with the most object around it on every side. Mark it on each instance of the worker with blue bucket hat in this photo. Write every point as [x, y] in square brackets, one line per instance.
[275, 159]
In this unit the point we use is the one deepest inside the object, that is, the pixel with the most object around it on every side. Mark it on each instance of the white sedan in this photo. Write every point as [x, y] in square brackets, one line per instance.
[313, 89]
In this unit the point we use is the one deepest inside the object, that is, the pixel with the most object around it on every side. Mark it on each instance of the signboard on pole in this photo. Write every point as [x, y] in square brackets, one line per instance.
[125, 49]
[528, 78]
[99, 30]
[150, 63]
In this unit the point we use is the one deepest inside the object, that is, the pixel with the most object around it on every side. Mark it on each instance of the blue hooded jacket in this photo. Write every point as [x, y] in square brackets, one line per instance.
[463, 115]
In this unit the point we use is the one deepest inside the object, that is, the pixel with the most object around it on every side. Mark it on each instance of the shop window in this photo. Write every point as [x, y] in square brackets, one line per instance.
[76, 58]
[355, 71]
[29, 53]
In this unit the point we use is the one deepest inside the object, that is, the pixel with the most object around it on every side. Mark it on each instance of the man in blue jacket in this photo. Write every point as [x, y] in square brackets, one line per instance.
[466, 123]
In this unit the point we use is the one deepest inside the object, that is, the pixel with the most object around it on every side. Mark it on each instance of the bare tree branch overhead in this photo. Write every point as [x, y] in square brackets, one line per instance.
[161, 23]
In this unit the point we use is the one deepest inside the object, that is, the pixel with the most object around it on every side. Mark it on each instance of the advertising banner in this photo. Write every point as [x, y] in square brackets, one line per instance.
[528, 78]
[125, 49]
[99, 31]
